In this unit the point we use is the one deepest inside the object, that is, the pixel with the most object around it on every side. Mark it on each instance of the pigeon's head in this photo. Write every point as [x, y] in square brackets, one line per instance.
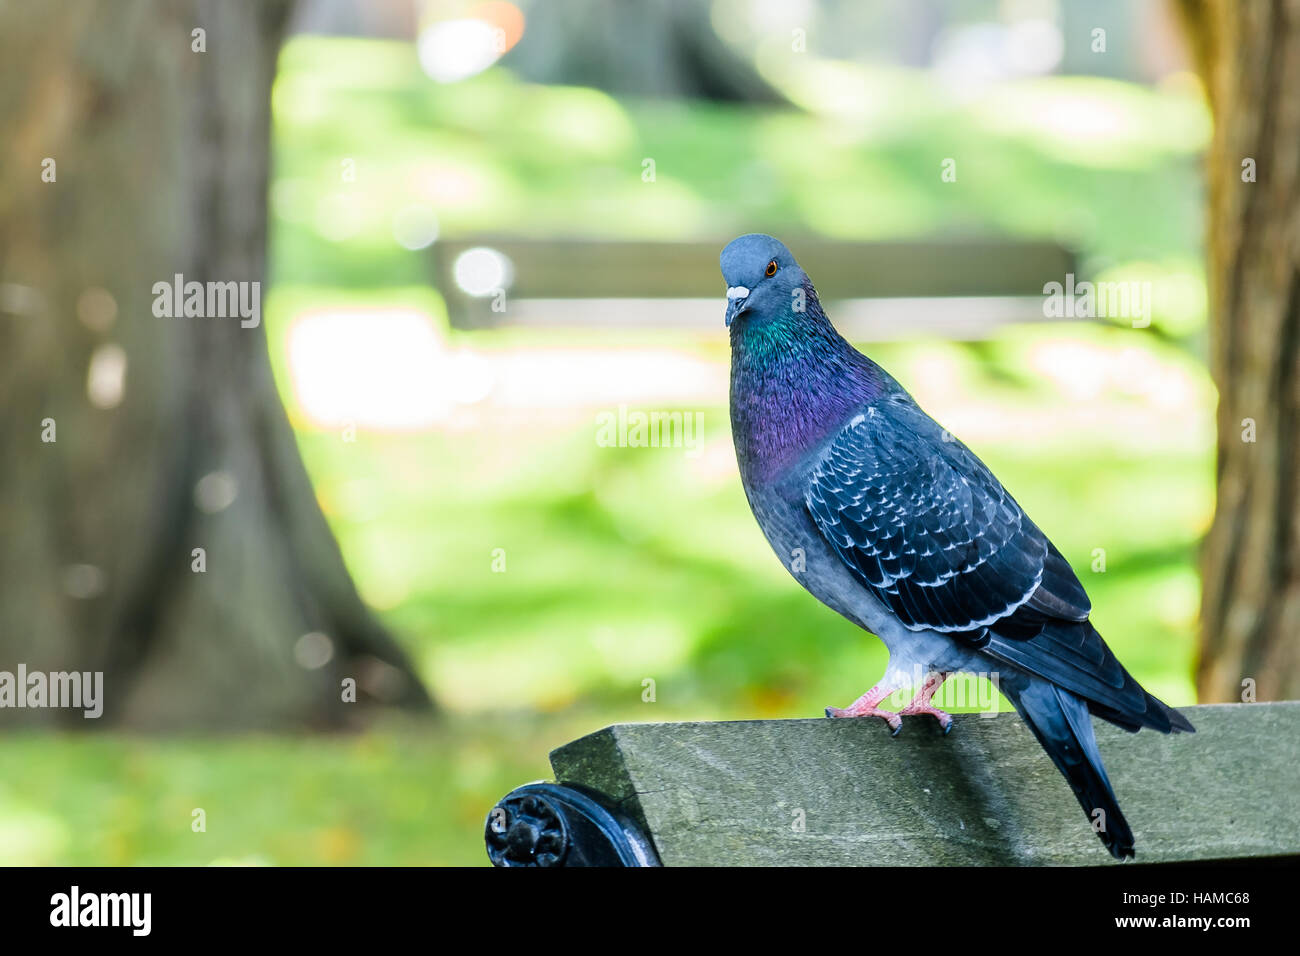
[762, 277]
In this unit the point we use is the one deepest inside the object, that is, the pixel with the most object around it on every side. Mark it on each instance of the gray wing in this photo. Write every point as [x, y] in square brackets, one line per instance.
[925, 525]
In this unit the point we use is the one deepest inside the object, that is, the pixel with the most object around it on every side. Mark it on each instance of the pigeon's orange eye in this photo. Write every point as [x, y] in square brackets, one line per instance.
[771, 269]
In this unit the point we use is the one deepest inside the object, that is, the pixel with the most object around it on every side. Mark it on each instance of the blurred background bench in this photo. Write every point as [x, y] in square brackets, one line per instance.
[872, 290]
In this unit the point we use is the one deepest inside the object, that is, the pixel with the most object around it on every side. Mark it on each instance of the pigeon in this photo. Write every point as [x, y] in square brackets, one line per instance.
[892, 522]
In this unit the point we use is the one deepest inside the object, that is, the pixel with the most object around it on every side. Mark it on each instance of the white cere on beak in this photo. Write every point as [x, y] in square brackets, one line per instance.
[737, 292]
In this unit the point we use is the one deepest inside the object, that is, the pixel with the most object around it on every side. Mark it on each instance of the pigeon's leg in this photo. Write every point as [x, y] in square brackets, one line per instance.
[921, 702]
[865, 706]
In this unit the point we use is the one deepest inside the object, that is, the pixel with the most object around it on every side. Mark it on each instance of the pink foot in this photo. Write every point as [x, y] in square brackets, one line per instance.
[920, 704]
[865, 706]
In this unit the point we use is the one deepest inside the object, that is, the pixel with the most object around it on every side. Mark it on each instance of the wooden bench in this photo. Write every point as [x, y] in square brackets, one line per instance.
[958, 288]
[844, 792]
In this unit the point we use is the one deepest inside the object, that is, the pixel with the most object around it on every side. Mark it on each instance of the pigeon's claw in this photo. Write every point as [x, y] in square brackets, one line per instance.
[944, 718]
[888, 716]
[920, 704]
[865, 706]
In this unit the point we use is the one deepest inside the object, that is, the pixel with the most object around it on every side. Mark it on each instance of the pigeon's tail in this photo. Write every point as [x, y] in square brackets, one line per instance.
[1061, 723]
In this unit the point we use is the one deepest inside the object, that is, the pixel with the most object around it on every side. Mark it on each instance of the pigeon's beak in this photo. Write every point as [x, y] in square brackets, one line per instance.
[736, 297]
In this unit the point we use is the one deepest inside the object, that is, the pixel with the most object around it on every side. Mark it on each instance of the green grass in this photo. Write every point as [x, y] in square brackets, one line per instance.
[401, 796]
[628, 565]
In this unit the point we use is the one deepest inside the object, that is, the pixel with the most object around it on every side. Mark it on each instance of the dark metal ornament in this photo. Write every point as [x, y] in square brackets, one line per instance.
[548, 824]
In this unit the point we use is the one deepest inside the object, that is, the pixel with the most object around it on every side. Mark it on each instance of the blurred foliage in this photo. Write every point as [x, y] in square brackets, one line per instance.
[627, 564]
[1110, 168]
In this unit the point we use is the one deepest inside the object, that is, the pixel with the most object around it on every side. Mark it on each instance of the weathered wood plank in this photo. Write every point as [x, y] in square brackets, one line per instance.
[731, 793]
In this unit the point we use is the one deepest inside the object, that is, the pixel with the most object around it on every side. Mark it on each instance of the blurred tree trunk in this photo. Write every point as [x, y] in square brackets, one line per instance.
[1249, 55]
[665, 48]
[170, 435]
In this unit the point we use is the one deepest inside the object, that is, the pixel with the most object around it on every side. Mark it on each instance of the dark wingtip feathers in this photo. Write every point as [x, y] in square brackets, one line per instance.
[1178, 723]
[1060, 722]
[1166, 719]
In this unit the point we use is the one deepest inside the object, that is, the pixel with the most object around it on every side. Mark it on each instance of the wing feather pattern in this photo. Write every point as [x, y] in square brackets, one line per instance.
[929, 529]
[925, 526]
